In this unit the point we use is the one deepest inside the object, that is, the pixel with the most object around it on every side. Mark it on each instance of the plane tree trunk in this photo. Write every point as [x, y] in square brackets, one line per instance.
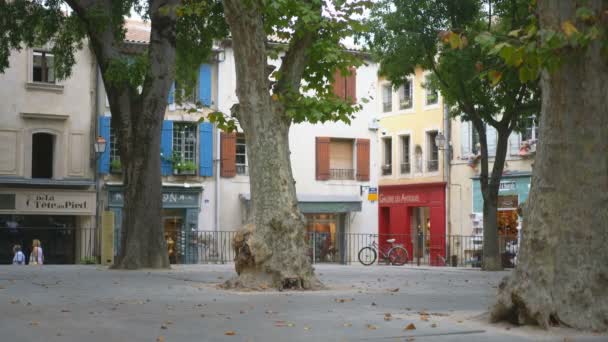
[271, 250]
[562, 274]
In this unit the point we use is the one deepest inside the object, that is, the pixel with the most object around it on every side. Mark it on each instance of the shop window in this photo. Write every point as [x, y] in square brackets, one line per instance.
[432, 153]
[43, 67]
[405, 154]
[42, 155]
[432, 95]
[184, 148]
[115, 165]
[341, 159]
[406, 93]
[241, 155]
[387, 160]
[387, 98]
[325, 236]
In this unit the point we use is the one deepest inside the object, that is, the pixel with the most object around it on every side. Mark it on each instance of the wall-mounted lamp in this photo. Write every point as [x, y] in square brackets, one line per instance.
[100, 145]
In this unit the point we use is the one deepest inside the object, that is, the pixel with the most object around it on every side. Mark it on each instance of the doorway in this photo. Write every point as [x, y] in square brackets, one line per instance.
[173, 223]
[42, 155]
[421, 231]
[326, 234]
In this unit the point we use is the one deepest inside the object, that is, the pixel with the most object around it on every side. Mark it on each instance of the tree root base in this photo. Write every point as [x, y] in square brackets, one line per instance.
[263, 283]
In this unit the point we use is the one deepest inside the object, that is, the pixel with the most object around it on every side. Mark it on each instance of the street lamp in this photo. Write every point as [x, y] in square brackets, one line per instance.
[440, 141]
[100, 146]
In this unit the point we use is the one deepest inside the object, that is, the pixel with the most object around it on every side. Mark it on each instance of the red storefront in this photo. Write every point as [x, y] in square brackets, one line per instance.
[415, 213]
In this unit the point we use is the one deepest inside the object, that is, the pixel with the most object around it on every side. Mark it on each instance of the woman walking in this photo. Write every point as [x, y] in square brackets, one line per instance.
[36, 257]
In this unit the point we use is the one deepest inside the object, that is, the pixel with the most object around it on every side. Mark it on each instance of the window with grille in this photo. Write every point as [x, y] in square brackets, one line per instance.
[387, 98]
[43, 67]
[184, 147]
[433, 152]
[405, 154]
[406, 95]
[241, 155]
[432, 95]
[115, 165]
[341, 159]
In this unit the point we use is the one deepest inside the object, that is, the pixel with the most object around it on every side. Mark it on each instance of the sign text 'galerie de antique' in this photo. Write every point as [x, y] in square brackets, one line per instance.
[399, 199]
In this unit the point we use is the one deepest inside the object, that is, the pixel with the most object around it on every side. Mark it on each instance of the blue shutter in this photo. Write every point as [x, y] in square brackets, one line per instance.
[205, 130]
[204, 84]
[166, 148]
[171, 97]
[104, 131]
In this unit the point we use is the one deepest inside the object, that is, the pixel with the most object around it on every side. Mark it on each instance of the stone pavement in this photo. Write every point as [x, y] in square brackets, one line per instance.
[93, 304]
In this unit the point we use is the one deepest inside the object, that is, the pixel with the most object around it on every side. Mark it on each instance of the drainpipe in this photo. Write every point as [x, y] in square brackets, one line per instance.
[217, 156]
[446, 172]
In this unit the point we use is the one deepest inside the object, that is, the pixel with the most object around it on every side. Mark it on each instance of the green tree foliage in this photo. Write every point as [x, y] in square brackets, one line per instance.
[447, 38]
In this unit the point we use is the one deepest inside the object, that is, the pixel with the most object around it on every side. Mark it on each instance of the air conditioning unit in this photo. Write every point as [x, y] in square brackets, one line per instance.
[374, 124]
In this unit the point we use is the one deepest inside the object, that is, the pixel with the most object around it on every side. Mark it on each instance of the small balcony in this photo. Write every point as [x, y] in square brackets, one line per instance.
[406, 168]
[342, 174]
[432, 165]
[387, 169]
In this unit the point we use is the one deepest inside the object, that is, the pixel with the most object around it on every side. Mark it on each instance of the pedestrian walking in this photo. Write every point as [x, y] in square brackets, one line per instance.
[19, 257]
[36, 257]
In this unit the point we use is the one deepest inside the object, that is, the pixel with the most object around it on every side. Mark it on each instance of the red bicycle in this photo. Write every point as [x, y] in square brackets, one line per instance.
[396, 254]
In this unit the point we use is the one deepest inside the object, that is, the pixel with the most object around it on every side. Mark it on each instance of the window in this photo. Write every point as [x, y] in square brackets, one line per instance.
[241, 155]
[387, 161]
[341, 159]
[183, 95]
[475, 144]
[529, 130]
[432, 95]
[115, 165]
[432, 153]
[184, 148]
[406, 95]
[405, 154]
[42, 155]
[387, 98]
[43, 67]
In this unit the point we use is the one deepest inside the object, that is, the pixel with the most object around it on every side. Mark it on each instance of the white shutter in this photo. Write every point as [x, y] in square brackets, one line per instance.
[465, 138]
[514, 140]
[491, 140]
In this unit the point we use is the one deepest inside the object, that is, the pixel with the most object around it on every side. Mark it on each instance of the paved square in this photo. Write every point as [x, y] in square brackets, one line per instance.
[91, 303]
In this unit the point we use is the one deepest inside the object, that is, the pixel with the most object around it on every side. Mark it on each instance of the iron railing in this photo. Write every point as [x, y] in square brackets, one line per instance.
[405, 168]
[341, 174]
[60, 245]
[432, 165]
[387, 169]
[242, 170]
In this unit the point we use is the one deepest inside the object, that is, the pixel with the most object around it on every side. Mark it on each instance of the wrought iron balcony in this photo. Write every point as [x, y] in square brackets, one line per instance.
[341, 174]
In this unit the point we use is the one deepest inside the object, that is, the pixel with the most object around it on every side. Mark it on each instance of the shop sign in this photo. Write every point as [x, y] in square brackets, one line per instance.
[372, 194]
[507, 185]
[55, 202]
[399, 199]
[171, 199]
[508, 202]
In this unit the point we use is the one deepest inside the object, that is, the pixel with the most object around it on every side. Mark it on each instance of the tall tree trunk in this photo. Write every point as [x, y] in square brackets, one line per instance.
[271, 251]
[562, 275]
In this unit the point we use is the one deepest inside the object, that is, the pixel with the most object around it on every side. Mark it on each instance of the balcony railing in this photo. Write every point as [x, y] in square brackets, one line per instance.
[242, 170]
[341, 174]
[406, 168]
[432, 165]
[387, 169]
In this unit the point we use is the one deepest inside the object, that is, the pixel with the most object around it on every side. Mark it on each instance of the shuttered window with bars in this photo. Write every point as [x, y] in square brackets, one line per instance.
[335, 159]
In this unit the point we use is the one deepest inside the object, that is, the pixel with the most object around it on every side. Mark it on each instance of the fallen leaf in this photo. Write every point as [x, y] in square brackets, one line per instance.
[164, 327]
[373, 303]
[306, 328]
[65, 310]
[160, 339]
[348, 325]
[409, 339]
[242, 311]
[394, 290]
[410, 326]
[371, 327]
[34, 323]
[343, 300]
[230, 333]
[433, 325]
[388, 316]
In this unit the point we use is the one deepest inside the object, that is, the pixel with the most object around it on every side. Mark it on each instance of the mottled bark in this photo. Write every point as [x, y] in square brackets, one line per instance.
[562, 274]
[271, 251]
[137, 118]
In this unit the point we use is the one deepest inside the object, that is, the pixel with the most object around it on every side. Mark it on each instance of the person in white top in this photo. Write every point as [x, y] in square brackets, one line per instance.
[19, 258]
[36, 257]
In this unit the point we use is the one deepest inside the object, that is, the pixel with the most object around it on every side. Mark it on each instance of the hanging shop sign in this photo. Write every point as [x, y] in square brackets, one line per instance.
[372, 194]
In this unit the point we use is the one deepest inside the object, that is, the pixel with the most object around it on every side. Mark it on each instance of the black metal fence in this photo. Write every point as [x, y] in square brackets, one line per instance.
[60, 245]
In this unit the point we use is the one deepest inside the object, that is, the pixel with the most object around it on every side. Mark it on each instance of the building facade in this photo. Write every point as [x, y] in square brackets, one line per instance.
[411, 172]
[47, 156]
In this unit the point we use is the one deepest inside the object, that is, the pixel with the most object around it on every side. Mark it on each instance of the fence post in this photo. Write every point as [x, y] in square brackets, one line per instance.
[314, 247]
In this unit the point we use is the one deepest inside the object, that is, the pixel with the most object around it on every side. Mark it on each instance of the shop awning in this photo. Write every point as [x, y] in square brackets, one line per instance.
[320, 204]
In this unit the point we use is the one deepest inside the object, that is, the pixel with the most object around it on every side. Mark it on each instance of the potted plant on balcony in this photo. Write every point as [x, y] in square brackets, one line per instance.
[115, 166]
[182, 167]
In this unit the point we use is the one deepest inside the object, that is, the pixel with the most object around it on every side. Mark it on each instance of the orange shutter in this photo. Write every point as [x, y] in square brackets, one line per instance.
[228, 154]
[339, 85]
[322, 164]
[351, 85]
[363, 159]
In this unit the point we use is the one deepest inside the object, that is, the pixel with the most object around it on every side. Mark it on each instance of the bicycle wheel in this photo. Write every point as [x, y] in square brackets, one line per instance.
[367, 256]
[397, 256]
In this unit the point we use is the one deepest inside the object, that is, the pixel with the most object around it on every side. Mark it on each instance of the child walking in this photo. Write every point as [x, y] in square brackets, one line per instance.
[19, 258]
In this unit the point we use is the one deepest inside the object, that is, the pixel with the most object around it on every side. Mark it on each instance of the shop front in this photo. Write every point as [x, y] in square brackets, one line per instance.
[62, 220]
[414, 215]
[181, 207]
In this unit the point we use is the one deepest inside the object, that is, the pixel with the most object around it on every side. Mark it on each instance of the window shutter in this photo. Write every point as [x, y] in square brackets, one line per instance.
[166, 148]
[104, 131]
[465, 137]
[205, 132]
[491, 140]
[363, 159]
[322, 158]
[204, 85]
[171, 97]
[514, 141]
[351, 85]
[228, 155]
[339, 85]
